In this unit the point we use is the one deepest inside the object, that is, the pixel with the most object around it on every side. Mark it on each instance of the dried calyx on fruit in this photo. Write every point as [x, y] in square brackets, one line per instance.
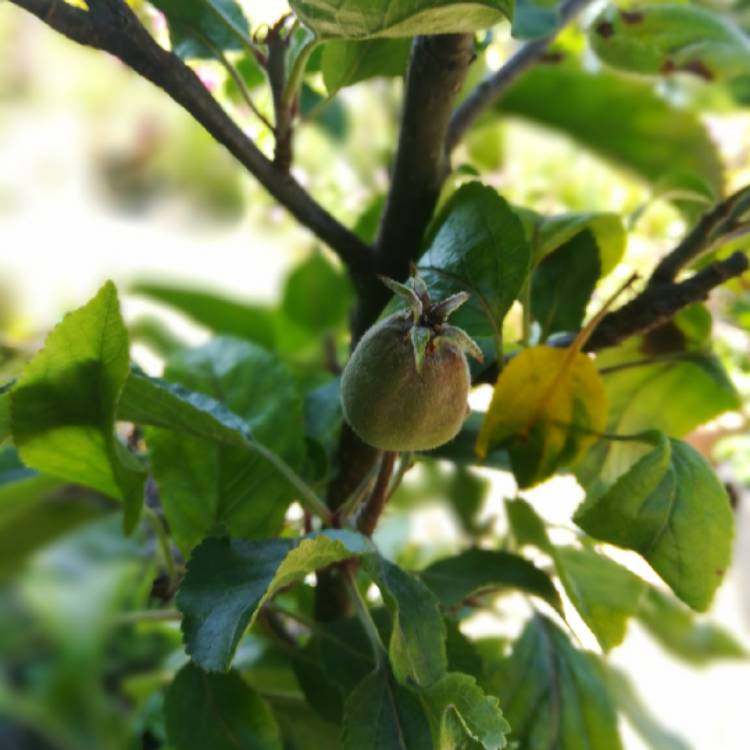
[406, 385]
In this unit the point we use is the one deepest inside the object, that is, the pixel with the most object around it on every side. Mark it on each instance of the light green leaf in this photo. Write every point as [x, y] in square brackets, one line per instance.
[198, 27]
[621, 119]
[34, 510]
[206, 485]
[552, 695]
[217, 711]
[604, 593]
[417, 646]
[479, 246]
[527, 527]
[672, 509]
[63, 406]
[686, 636]
[608, 230]
[228, 580]
[380, 714]
[457, 696]
[478, 571]
[218, 313]
[668, 38]
[317, 296]
[363, 19]
[674, 395]
[347, 62]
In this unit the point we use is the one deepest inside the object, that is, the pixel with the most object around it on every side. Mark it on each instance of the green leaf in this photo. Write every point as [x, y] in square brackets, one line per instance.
[217, 711]
[317, 296]
[63, 406]
[553, 232]
[477, 571]
[34, 510]
[664, 38]
[671, 508]
[462, 449]
[5, 430]
[535, 19]
[363, 19]
[604, 593]
[674, 396]
[621, 119]
[679, 631]
[347, 62]
[218, 313]
[417, 646]
[527, 527]
[639, 716]
[547, 406]
[228, 580]
[479, 247]
[198, 27]
[205, 485]
[328, 114]
[479, 716]
[562, 285]
[380, 714]
[552, 696]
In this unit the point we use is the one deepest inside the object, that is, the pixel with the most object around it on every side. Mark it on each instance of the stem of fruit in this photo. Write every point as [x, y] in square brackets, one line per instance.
[368, 518]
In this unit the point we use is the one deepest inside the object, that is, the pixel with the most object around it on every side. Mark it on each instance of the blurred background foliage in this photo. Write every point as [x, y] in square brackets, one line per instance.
[103, 176]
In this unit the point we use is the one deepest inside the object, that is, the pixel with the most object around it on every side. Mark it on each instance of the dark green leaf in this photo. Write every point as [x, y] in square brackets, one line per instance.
[205, 484]
[380, 714]
[327, 114]
[462, 653]
[317, 296]
[552, 696]
[669, 38]
[621, 119]
[63, 406]
[228, 580]
[363, 19]
[478, 247]
[198, 28]
[656, 736]
[477, 571]
[417, 645]
[457, 696]
[533, 19]
[678, 630]
[218, 313]
[217, 711]
[562, 285]
[461, 449]
[301, 728]
[5, 430]
[348, 62]
[671, 508]
[604, 593]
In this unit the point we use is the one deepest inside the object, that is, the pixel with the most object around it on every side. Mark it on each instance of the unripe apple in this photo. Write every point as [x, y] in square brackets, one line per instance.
[406, 385]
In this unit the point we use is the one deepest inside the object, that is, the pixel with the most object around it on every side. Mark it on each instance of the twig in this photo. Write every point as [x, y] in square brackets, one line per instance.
[112, 26]
[363, 613]
[370, 513]
[491, 88]
[722, 222]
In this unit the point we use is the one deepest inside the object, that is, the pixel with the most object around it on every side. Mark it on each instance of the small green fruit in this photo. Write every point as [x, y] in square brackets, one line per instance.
[406, 385]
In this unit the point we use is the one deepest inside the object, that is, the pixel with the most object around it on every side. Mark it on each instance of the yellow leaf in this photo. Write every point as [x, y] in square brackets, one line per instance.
[547, 407]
